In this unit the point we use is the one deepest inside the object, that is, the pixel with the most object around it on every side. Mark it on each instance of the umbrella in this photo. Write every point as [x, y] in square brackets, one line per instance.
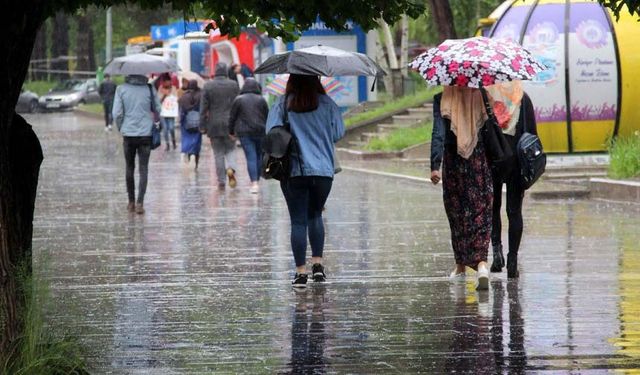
[279, 84]
[321, 61]
[476, 62]
[140, 63]
[189, 75]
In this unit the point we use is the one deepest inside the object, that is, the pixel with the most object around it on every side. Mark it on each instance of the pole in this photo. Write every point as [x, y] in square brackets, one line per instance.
[109, 37]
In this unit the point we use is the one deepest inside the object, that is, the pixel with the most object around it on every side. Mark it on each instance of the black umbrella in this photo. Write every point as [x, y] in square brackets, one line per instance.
[321, 61]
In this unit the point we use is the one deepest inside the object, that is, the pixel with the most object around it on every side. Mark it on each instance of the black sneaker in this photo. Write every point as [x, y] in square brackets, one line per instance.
[317, 271]
[300, 280]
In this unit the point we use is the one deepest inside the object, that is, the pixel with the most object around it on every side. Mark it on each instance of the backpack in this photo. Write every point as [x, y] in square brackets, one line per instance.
[531, 158]
[276, 161]
[192, 121]
[277, 147]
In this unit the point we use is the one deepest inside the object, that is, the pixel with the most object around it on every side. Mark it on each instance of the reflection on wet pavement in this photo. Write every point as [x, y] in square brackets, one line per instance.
[201, 282]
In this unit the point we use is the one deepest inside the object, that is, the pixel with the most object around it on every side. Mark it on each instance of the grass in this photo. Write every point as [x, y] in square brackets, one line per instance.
[92, 107]
[393, 105]
[40, 350]
[624, 155]
[402, 138]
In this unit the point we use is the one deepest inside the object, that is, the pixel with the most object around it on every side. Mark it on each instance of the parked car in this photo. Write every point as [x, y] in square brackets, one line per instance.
[69, 93]
[27, 102]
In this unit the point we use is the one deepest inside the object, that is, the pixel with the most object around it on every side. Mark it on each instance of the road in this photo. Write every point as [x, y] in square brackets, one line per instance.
[201, 282]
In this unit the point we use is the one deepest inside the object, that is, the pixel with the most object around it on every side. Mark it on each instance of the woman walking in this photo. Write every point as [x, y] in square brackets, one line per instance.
[247, 120]
[515, 115]
[191, 138]
[467, 186]
[169, 112]
[316, 124]
[133, 104]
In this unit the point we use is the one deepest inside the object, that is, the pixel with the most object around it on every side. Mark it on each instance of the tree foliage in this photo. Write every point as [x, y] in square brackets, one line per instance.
[280, 18]
[618, 6]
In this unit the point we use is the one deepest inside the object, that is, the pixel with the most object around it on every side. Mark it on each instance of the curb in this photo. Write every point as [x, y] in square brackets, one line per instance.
[615, 190]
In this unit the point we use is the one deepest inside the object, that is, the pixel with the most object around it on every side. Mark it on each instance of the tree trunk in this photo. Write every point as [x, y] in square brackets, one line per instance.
[20, 158]
[396, 77]
[443, 19]
[381, 59]
[39, 54]
[84, 44]
[60, 49]
[404, 45]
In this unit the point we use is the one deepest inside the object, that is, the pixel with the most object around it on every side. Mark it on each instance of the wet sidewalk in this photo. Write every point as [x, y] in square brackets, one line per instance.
[201, 283]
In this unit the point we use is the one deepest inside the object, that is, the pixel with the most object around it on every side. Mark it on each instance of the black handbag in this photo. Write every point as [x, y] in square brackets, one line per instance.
[496, 144]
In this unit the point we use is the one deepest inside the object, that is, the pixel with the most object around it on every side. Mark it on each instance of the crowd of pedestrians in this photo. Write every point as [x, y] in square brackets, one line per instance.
[227, 113]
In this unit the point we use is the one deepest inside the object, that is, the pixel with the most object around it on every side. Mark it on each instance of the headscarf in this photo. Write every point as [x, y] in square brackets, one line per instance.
[505, 99]
[465, 108]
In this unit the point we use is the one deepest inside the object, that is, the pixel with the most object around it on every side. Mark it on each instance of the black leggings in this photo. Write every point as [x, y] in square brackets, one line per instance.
[141, 146]
[515, 195]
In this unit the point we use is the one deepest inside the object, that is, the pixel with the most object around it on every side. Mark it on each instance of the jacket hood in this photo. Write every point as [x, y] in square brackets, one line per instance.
[251, 86]
[221, 70]
[192, 85]
[136, 79]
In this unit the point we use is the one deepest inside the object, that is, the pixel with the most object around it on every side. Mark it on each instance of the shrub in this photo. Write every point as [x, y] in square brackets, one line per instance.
[624, 154]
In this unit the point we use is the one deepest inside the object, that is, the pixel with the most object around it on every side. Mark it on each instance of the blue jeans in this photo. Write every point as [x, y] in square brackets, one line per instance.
[252, 147]
[305, 198]
[168, 128]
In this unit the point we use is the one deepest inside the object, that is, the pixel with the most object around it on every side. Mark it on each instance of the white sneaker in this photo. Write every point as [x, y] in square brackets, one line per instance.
[192, 161]
[255, 188]
[482, 283]
[455, 276]
[110, 127]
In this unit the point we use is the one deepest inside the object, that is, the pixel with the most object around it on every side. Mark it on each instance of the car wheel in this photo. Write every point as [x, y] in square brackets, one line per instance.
[33, 106]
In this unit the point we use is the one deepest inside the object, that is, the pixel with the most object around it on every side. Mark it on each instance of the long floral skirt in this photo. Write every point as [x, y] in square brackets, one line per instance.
[468, 201]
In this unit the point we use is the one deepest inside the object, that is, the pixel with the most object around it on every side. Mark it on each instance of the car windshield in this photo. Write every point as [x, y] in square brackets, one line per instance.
[69, 85]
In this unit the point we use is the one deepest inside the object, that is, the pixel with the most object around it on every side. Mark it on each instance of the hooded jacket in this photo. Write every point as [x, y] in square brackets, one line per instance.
[132, 107]
[217, 97]
[248, 116]
[190, 100]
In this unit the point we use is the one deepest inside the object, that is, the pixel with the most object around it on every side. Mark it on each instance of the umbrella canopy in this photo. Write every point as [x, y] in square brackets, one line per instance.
[189, 75]
[321, 61]
[279, 84]
[140, 63]
[476, 62]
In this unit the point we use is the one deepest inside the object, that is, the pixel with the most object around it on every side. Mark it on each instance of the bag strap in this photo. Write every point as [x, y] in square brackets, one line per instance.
[487, 106]
[153, 102]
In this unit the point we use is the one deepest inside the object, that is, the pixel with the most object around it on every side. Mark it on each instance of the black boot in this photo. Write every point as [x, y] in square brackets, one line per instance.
[498, 259]
[512, 266]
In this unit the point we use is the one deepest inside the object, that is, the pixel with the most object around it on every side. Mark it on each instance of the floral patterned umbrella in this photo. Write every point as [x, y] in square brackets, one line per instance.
[476, 61]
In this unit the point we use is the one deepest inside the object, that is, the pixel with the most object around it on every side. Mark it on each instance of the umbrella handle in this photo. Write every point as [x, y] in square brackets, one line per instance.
[373, 85]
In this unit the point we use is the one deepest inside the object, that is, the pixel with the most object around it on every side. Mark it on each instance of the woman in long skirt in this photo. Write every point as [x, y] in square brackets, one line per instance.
[191, 138]
[466, 174]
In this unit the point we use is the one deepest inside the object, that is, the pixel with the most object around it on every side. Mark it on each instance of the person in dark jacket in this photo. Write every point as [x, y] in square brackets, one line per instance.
[247, 120]
[107, 91]
[217, 97]
[189, 108]
[515, 115]
[458, 115]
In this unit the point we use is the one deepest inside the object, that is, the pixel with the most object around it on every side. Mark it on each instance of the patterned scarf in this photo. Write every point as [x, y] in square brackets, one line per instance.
[505, 98]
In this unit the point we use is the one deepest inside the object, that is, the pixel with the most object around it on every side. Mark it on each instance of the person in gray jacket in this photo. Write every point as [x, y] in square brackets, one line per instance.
[217, 97]
[132, 108]
[247, 121]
